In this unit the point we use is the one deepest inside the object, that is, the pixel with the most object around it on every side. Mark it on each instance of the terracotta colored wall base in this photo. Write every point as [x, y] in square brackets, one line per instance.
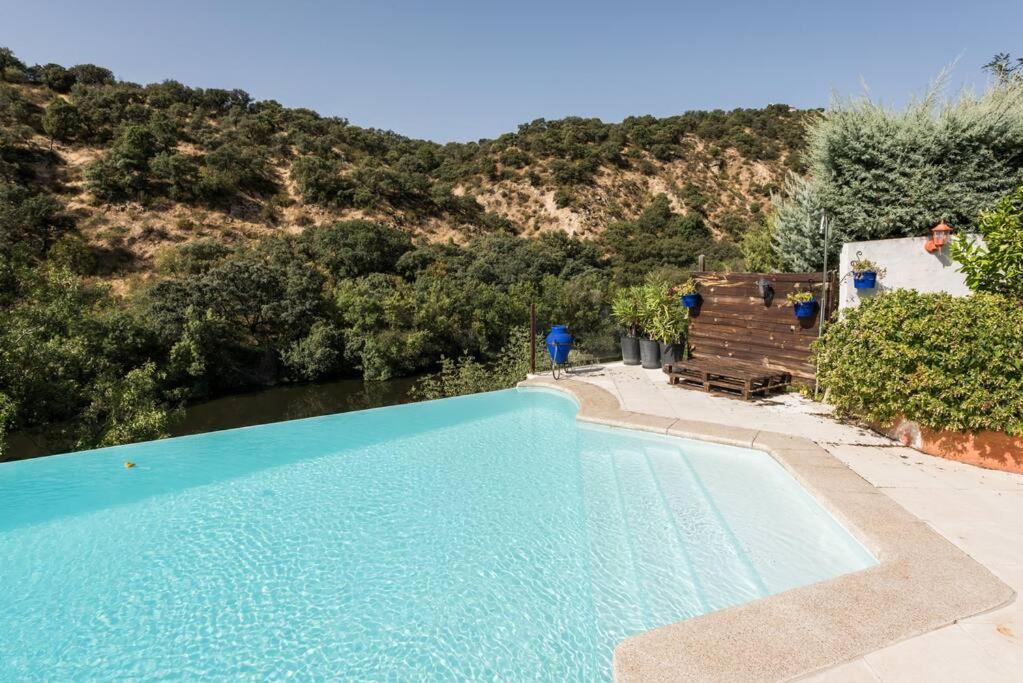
[993, 450]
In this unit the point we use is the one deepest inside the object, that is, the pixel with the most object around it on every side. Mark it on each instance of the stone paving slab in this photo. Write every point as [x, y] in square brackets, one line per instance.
[923, 582]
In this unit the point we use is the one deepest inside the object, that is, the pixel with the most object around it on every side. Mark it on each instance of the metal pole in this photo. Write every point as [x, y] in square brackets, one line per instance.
[824, 275]
[701, 263]
[532, 338]
[824, 293]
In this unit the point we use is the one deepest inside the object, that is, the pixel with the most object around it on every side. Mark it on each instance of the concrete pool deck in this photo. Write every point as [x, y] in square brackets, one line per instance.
[939, 606]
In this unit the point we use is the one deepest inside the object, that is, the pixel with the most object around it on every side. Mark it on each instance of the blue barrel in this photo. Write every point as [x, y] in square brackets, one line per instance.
[805, 309]
[559, 343]
[690, 300]
[866, 279]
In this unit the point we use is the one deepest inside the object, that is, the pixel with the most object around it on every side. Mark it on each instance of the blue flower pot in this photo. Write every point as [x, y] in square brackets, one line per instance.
[690, 300]
[559, 343]
[866, 279]
[805, 309]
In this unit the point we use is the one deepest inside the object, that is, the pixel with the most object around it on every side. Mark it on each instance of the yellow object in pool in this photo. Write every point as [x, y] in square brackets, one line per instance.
[128, 464]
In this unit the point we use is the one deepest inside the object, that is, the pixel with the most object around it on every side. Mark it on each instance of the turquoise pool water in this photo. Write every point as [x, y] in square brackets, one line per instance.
[483, 537]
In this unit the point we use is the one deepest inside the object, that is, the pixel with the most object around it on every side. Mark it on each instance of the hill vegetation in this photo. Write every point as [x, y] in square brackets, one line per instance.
[143, 167]
[160, 244]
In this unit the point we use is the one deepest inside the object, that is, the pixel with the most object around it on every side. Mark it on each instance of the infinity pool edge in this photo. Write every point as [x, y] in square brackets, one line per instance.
[921, 582]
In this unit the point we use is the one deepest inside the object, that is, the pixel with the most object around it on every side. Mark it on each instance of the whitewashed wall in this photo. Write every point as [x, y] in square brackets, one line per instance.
[908, 266]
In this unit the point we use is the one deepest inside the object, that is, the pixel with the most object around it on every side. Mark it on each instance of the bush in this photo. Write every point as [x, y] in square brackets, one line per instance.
[469, 376]
[996, 267]
[61, 121]
[123, 173]
[945, 362]
[880, 173]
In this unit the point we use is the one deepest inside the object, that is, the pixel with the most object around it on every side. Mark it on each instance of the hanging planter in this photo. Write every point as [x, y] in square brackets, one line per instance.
[689, 293]
[865, 272]
[804, 304]
[865, 279]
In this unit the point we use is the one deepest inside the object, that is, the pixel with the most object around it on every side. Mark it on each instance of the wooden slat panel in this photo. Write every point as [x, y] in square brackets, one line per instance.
[733, 323]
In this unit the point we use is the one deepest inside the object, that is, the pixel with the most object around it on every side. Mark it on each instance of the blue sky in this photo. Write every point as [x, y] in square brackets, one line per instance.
[466, 70]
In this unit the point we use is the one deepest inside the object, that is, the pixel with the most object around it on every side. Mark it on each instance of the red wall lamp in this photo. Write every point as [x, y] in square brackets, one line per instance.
[939, 237]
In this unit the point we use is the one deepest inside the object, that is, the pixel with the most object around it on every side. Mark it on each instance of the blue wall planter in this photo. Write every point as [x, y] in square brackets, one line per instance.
[805, 309]
[866, 279]
[690, 300]
[559, 343]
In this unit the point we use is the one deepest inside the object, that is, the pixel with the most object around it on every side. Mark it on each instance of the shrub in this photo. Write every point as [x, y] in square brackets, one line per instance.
[880, 173]
[6, 417]
[61, 121]
[627, 308]
[469, 376]
[945, 362]
[758, 252]
[996, 267]
[123, 173]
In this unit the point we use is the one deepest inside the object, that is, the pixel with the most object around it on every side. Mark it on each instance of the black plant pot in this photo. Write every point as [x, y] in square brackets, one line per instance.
[630, 350]
[650, 354]
[671, 353]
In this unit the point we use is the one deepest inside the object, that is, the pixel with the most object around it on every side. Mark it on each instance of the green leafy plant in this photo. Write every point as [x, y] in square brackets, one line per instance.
[651, 297]
[945, 362]
[867, 266]
[469, 376]
[688, 287]
[880, 173]
[799, 297]
[997, 265]
[627, 309]
[669, 322]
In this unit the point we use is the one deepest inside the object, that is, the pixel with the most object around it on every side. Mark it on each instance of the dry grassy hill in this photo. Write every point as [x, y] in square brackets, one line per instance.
[142, 168]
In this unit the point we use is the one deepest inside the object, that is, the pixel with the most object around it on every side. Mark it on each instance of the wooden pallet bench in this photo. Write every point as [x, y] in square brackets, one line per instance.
[747, 380]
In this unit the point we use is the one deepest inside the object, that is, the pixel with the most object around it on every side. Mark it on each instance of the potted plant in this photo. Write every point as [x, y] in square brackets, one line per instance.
[626, 309]
[651, 297]
[668, 326]
[689, 292]
[804, 303]
[865, 273]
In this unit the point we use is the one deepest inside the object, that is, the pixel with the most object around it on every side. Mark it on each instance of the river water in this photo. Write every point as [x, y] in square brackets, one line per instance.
[276, 404]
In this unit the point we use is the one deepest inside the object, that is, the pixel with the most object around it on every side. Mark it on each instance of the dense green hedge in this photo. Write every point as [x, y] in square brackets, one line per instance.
[945, 362]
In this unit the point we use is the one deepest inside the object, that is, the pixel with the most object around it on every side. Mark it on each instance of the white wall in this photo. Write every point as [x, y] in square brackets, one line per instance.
[909, 266]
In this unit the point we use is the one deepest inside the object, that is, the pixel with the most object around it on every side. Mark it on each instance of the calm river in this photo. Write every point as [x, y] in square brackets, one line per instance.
[242, 410]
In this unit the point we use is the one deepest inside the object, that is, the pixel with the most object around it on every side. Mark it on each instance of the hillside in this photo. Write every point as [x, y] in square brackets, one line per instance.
[140, 168]
[161, 245]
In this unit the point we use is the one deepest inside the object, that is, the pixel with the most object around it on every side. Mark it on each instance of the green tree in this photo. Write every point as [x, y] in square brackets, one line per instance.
[797, 237]
[880, 173]
[10, 66]
[55, 77]
[30, 222]
[123, 173]
[7, 410]
[61, 121]
[469, 376]
[125, 410]
[90, 74]
[997, 265]
[757, 247]
[1005, 69]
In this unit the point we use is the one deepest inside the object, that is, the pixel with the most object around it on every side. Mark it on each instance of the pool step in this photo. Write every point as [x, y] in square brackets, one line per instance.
[705, 532]
[660, 563]
[660, 550]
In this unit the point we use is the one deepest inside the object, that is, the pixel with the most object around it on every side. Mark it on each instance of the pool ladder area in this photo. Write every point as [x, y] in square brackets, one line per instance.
[684, 557]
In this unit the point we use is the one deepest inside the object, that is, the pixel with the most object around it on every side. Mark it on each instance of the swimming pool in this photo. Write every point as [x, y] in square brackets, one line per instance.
[487, 536]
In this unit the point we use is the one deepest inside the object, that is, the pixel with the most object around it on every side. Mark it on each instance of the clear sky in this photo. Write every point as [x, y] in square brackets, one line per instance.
[464, 70]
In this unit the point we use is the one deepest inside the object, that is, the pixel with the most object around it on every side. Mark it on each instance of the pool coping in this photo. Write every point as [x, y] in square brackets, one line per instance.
[922, 581]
